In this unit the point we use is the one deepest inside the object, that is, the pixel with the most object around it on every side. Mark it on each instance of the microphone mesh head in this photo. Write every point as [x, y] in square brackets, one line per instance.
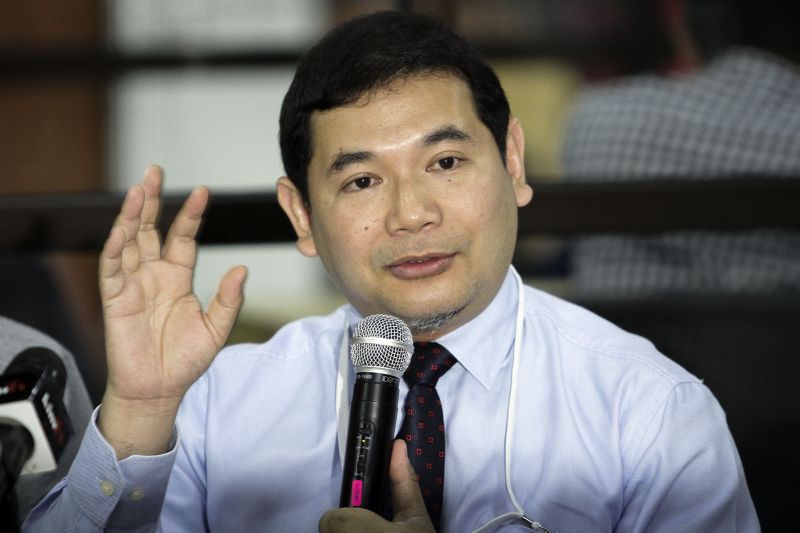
[382, 341]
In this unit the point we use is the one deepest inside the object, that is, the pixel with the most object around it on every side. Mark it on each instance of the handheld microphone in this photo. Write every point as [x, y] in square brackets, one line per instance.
[380, 350]
[34, 426]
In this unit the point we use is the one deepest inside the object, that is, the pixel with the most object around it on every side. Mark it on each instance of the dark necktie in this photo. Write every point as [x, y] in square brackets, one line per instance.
[423, 423]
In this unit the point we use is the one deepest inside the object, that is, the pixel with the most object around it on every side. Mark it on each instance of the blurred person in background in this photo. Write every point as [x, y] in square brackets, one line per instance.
[727, 105]
[723, 304]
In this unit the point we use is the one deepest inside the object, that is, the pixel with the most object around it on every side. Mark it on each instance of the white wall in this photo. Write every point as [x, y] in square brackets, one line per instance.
[207, 25]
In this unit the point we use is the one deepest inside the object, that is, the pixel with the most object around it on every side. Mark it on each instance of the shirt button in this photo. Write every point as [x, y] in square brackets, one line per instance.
[107, 488]
[135, 495]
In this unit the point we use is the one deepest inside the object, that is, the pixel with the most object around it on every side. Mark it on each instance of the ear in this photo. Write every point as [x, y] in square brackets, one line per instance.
[515, 162]
[291, 201]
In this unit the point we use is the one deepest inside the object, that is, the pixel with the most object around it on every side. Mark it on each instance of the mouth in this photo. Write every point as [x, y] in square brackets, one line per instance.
[423, 266]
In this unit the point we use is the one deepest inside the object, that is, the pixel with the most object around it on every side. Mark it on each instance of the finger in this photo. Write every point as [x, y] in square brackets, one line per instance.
[224, 307]
[148, 238]
[128, 220]
[110, 270]
[351, 519]
[406, 496]
[180, 246]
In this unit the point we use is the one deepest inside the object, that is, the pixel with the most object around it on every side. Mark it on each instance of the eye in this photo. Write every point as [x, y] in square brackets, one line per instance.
[447, 163]
[361, 183]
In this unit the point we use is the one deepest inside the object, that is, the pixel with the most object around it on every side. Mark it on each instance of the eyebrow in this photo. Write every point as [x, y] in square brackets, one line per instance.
[445, 133]
[343, 159]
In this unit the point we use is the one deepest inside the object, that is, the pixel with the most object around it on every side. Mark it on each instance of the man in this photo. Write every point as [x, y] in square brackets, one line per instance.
[405, 172]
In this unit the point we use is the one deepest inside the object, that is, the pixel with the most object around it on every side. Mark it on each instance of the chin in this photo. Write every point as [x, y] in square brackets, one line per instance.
[431, 322]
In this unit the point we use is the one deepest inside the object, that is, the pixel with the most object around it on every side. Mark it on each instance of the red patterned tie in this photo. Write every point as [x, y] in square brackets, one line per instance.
[423, 424]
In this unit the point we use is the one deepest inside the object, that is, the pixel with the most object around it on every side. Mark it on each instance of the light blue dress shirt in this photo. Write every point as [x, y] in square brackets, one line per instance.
[609, 436]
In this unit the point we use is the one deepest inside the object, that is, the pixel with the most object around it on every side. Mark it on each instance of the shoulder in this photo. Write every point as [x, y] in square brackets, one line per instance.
[613, 126]
[649, 94]
[295, 339]
[586, 342]
[610, 378]
[306, 345]
[300, 359]
[717, 120]
[637, 93]
[16, 337]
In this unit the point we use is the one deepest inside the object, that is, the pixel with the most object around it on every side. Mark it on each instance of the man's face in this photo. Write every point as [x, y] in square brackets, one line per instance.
[413, 212]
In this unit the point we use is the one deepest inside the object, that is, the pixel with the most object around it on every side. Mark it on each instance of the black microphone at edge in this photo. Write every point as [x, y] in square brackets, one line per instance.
[34, 426]
[380, 350]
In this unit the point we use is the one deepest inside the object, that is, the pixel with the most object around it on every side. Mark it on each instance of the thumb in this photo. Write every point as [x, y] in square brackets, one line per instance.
[224, 307]
[406, 496]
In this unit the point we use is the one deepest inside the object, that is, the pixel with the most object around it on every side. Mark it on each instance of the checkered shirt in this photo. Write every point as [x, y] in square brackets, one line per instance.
[738, 116]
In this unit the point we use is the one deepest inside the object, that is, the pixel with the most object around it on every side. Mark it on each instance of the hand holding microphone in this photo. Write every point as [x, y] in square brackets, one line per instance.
[410, 514]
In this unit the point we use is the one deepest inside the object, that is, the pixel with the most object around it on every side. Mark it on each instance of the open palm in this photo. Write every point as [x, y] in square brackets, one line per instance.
[158, 338]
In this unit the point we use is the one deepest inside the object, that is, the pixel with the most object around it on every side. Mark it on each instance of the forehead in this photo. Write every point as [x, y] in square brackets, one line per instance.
[405, 110]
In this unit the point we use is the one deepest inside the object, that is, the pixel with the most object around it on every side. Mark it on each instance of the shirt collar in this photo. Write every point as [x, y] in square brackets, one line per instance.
[483, 344]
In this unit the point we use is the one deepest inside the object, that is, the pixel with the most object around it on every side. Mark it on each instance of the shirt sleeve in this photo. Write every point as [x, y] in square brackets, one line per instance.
[102, 494]
[185, 503]
[687, 475]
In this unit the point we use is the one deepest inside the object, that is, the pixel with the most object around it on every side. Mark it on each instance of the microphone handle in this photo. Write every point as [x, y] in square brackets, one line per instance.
[370, 433]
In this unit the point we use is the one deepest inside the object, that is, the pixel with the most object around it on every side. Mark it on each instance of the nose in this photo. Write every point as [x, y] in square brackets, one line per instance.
[414, 207]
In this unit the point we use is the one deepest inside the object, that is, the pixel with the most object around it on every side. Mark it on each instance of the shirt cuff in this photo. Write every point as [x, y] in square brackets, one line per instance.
[119, 493]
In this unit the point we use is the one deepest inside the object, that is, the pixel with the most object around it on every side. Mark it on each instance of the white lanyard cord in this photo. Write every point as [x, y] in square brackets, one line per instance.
[342, 398]
[511, 417]
[512, 394]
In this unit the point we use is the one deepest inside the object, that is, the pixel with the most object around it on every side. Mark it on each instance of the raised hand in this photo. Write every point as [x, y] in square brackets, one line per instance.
[158, 338]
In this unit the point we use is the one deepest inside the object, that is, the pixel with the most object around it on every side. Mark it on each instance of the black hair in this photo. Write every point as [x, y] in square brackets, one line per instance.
[365, 55]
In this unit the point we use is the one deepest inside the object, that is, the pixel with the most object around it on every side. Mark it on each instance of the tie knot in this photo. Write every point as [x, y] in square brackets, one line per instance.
[429, 362]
